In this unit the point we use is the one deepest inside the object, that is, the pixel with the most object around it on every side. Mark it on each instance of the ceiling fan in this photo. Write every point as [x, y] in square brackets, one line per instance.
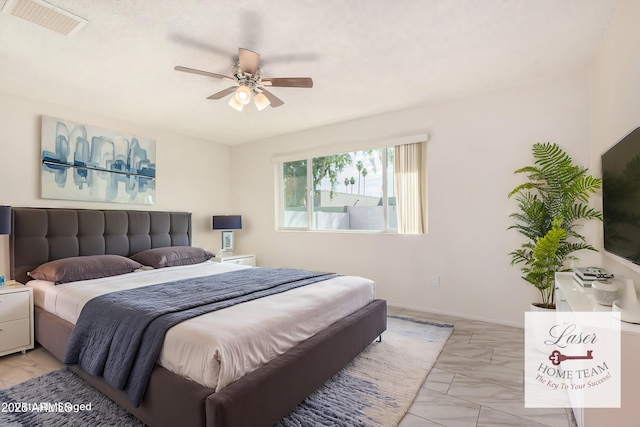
[249, 83]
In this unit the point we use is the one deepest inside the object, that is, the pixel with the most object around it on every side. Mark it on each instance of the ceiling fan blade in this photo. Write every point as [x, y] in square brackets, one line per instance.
[223, 93]
[203, 73]
[306, 82]
[274, 100]
[249, 61]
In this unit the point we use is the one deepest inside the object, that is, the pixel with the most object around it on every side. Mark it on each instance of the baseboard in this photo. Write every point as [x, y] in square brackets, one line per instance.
[455, 314]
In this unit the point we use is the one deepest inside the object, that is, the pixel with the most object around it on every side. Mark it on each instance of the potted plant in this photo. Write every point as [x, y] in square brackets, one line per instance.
[544, 262]
[556, 191]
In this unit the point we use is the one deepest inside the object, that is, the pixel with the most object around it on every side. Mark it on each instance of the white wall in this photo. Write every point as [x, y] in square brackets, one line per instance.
[475, 145]
[192, 174]
[615, 100]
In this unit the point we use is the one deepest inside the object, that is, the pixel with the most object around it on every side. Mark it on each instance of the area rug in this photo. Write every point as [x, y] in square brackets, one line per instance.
[374, 390]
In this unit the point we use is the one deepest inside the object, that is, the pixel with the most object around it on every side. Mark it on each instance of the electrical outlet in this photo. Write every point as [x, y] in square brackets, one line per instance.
[435, 280]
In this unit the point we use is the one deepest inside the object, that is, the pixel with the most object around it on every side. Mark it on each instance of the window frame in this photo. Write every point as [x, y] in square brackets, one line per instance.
[311, 226]
[279, 159]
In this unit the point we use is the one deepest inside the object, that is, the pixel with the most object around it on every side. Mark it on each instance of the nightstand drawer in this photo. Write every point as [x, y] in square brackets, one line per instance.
[249, 260]
[14, 306]
[242, 261]
[14, 334]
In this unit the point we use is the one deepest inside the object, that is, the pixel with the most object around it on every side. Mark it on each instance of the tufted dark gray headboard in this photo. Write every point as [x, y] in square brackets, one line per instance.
[46, 234]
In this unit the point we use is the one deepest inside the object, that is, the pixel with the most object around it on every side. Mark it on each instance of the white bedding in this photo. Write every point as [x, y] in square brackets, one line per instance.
[218, 348]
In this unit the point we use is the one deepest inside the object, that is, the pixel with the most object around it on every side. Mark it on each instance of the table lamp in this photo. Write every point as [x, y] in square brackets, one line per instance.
[227, 223]
[5, 228]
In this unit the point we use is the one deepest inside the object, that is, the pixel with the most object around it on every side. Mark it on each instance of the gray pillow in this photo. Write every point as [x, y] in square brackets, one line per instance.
[172, 256]
[84, 268]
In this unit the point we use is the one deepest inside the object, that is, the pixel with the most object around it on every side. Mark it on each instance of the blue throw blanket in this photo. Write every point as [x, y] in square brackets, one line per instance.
[118, 336]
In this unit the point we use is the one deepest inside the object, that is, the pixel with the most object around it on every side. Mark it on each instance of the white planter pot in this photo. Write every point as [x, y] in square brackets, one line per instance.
[543, 321]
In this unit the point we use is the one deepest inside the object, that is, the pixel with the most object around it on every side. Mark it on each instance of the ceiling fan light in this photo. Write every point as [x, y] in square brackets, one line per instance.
[243, 95]
[261, 101]
[233, 103]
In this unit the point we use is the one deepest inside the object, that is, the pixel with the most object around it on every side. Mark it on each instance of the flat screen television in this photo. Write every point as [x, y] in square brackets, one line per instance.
[621, 198]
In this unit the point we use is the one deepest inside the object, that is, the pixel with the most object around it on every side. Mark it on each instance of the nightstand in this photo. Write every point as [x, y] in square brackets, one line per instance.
[249, 260]
[16, 319]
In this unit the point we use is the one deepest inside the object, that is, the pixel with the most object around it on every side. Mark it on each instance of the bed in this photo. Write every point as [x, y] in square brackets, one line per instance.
[259, 398]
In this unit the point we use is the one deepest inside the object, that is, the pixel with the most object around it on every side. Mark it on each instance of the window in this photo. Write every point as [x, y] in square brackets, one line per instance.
[348, 191]
[295, 194]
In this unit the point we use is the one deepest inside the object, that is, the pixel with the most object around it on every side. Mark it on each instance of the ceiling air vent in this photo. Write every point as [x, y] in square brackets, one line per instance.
[46, 15]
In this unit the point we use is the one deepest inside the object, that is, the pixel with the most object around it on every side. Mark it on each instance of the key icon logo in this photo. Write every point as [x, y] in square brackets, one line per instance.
[556, 357]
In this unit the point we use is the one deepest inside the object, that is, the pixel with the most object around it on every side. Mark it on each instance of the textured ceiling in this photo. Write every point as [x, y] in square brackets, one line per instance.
[365, 56]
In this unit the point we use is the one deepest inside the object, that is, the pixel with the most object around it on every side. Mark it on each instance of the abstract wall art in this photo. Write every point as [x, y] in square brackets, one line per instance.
[81, 162]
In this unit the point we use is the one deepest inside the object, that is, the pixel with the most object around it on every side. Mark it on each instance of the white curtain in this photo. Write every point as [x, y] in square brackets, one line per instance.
[410, 179]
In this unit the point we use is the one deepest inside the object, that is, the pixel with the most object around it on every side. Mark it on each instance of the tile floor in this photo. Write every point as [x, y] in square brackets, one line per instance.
[476, 382]
[15, 368]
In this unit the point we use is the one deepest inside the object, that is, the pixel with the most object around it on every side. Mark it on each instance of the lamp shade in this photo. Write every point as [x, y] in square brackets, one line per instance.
[261, 101]
[233, 103]
[5, 219]
[243, 95]
[227, 222]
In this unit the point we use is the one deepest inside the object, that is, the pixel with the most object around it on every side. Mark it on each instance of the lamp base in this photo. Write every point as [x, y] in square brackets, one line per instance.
[227, 241]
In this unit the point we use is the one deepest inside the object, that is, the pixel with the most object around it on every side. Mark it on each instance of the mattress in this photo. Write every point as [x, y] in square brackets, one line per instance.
[218, 348]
